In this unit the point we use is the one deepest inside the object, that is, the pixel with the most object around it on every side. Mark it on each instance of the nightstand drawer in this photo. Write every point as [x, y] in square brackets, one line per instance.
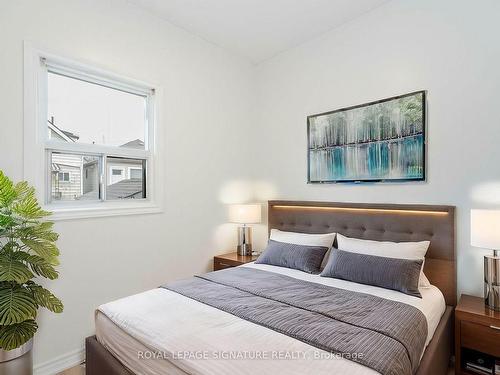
[220, 264]
[231, 260]
[479, 337]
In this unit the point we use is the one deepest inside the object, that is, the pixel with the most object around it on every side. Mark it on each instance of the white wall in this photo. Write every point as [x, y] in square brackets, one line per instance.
[449, 48]
[205, 108]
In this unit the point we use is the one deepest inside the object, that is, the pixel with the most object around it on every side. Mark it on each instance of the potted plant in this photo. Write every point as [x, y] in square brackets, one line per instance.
[27, 252]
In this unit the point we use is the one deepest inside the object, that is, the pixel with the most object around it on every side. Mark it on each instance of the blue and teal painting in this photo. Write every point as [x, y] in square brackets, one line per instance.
[380, 141]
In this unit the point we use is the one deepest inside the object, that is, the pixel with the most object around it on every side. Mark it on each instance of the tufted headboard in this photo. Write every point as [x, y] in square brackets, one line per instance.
[382, 222]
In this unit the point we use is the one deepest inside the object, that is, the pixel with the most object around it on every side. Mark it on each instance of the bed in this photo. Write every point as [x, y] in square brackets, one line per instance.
[138, 334]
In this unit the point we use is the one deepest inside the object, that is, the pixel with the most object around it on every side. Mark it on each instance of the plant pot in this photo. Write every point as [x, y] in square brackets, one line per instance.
[7, 355]
[17, 361]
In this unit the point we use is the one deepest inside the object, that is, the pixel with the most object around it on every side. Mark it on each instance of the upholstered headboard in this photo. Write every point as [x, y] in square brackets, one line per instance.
[382, 222]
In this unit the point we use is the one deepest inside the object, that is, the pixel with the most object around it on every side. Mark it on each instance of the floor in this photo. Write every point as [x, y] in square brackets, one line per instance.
[77, 370]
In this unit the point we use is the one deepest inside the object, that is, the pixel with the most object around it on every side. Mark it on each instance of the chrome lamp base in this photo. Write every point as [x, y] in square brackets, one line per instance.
[244, 240]
[492, 281]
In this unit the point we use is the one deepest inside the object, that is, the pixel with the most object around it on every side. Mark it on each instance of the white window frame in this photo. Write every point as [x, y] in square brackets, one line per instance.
[37, 146]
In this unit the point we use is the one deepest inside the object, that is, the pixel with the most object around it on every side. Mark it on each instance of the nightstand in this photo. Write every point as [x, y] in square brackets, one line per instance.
[232, 260]
[477, 328]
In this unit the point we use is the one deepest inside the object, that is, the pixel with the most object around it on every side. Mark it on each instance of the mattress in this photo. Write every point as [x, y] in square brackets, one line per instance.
[128, 350]
[162, 332]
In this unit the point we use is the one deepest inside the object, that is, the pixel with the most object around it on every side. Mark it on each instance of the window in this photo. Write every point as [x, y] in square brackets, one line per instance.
[126, 187]
[84, 112]
[84, 186]
[115, 175]
[63, 176]
[134, 172]
[95, 136]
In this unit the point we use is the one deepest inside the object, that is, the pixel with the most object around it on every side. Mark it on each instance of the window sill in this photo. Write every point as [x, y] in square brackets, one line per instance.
[60, 212]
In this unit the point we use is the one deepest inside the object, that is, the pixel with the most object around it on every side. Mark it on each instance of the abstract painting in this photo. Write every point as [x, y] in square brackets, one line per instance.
[377, 141]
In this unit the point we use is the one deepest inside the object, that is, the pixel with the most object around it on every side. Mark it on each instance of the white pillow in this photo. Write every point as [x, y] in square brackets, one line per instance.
[423, 282]
[401, 250]
[307, 239]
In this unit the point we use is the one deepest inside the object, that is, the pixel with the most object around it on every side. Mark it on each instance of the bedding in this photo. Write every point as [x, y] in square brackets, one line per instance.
[131, 352]
[308, 239]
[402, 250]
[390, 273]
[167, 322]
[299, 257]
[384, 335]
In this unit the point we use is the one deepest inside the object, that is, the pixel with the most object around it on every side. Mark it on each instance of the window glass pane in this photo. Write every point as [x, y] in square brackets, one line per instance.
[135, 173]
[74, 177]
[84, 112]
[121, 185]
[63, 176]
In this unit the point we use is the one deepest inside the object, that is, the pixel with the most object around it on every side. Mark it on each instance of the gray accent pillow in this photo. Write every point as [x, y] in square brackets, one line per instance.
[389, 273]
[300, 257]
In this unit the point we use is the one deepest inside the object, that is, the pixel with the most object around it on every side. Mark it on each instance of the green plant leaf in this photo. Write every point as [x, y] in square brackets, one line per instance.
[7, 191]
[16, 304]
[27, 248]
[45, 298]
[38, 265]
[14, 270]
[27, 206]
[22, 189]
[15, 335]
[46, 249]
[38, 230]
[9, 247]
[6, 220]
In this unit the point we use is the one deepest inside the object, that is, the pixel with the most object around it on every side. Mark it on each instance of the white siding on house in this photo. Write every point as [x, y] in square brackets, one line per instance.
[83, 176]
[66, 190]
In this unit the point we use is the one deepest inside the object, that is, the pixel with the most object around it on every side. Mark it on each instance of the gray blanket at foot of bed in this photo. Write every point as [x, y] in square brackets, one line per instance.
[384, 335]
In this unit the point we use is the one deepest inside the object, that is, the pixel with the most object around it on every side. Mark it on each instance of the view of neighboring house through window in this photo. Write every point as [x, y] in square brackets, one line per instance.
[68, 181]
[63, 176]
[96, 139]
[121, 185]
[134, 172]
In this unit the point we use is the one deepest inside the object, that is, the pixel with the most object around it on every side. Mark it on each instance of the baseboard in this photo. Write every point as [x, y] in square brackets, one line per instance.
[61, 363]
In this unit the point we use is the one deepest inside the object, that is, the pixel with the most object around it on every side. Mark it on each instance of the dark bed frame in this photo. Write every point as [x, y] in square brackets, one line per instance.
[389, 222]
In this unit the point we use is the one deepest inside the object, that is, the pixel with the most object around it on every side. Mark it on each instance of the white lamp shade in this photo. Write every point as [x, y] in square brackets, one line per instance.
[485, 229]
[245, 213]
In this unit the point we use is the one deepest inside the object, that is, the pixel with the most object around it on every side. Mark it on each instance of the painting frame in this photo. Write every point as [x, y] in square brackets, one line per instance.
[423, 151]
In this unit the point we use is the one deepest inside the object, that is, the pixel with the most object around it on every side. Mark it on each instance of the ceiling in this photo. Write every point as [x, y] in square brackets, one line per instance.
[258, 29]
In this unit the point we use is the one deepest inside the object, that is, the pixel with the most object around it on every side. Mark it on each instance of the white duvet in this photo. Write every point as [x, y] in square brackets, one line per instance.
[162, 332]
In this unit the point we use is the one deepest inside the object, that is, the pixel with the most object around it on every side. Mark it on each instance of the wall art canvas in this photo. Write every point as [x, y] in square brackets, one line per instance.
[374, 142]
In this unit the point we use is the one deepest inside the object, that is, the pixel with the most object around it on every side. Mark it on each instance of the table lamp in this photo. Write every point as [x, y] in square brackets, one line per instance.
[485, 233]
[245, 214]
